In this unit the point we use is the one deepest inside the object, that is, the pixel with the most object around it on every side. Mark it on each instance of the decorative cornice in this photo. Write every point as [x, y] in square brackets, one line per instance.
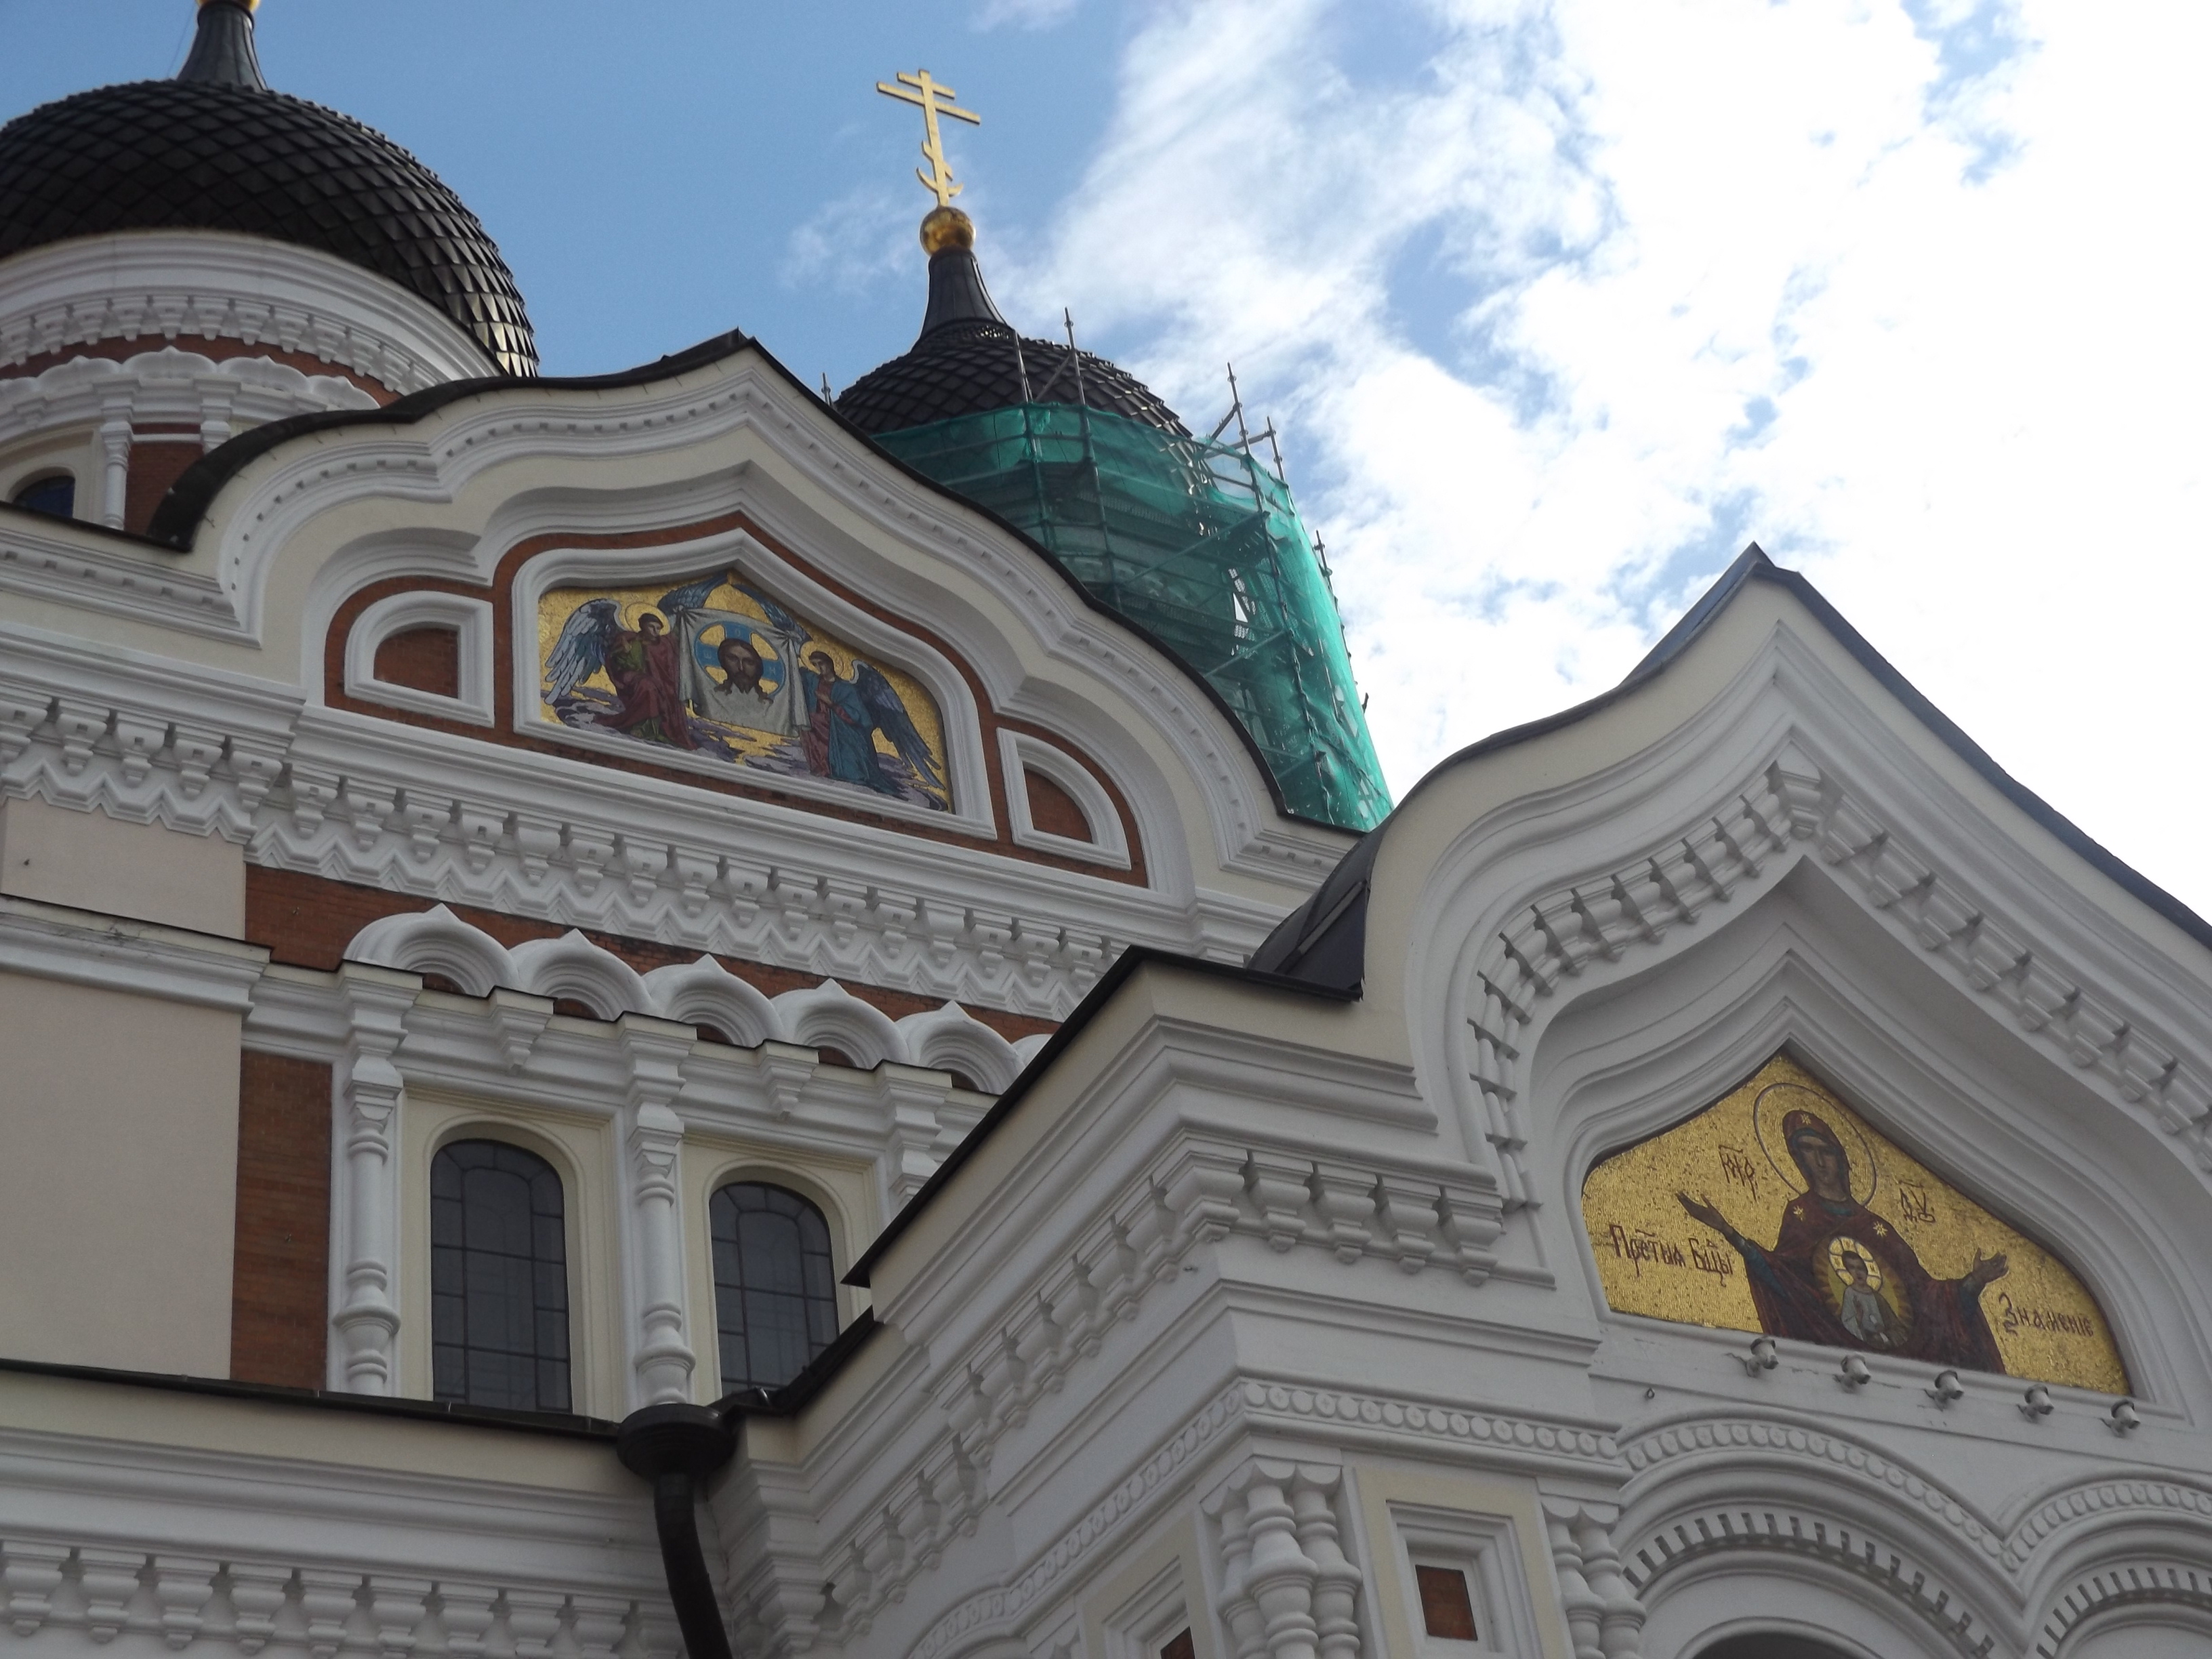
[48, 941]
[1556, 1443]
[1726, 1529]
[1742, 846]
[999, 1612]
[2012, 1555]
[178, 286]
[702, 993]
[354, 800]
[222, 1601]
[2171, 1584]
[170, 386]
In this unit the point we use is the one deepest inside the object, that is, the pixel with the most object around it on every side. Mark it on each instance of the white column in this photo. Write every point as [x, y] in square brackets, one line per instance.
[661, 1360]
[1287, 1591]
[115, 462]
[365, 1225]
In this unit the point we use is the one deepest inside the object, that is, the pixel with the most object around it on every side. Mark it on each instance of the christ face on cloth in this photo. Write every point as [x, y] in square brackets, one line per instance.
[1838, 1274]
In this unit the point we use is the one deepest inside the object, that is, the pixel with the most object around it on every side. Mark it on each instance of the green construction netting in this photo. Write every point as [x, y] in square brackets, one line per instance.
[1200, 545]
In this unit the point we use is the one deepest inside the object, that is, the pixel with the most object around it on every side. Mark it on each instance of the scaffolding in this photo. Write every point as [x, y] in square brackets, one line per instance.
[1198, 544]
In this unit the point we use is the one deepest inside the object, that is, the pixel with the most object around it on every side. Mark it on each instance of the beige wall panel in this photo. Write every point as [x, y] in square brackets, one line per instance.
[118, 1171]
[90, 861]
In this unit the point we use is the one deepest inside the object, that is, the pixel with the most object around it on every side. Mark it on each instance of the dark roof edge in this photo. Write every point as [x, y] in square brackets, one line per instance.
[1093, 1004]
[1286, 947]
[559, 1423]
[796, 1395]
[177, 519]
[2062, 829]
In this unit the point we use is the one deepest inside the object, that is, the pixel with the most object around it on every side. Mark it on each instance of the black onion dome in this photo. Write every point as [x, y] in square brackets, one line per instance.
[216, 149]
[967, 360]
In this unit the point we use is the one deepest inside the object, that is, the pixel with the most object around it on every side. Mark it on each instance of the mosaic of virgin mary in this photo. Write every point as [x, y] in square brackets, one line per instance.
[1838, 1274]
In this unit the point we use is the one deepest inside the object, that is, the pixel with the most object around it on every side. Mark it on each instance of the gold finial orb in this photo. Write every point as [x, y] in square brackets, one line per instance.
[945, 227]
[250, 5]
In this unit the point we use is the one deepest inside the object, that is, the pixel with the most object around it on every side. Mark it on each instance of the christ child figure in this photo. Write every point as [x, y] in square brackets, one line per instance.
[1864, 1314]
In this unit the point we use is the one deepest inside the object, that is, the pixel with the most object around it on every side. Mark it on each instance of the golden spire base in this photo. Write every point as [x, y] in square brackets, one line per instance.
[946, 226]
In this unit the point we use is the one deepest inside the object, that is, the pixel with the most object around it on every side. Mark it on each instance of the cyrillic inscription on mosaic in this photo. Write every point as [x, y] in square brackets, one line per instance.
[718, 669]
[1778, 1209]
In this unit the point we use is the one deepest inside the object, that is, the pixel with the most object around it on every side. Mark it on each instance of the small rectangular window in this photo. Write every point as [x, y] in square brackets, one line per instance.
[1179, 1648]
[1447, 1607]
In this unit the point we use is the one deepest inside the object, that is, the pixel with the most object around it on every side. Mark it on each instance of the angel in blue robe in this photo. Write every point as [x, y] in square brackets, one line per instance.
[843, 717]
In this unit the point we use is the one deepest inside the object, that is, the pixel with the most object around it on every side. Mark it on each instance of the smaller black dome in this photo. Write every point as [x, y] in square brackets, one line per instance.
[968, 359]
[215, 149]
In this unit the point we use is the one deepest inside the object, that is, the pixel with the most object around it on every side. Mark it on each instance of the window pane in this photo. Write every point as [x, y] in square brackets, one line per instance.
[1446, 1608]
[775, 1294]
[499, 1313]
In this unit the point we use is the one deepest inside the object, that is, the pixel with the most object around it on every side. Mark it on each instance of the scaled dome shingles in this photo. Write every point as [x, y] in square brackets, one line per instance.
[966, 367]
[183, 155]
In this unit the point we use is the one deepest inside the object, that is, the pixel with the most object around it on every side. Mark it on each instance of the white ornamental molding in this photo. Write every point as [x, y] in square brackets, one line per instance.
[702, 992]
[174, 286]
[1735, 1528]
[170, 744]
[1428, 1427]
[216, 396]
[174, 745]
[2013, 1556]
[2114, 1595]
[862, 1590]
[1741, 847]
[310, 1609]
[1197, 1194]
[791, 905]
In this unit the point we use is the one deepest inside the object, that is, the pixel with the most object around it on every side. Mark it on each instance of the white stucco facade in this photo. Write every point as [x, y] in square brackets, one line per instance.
[1204, 1198]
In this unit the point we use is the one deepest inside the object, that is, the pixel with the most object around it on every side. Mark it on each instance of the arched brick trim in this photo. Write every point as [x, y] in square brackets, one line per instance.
[307, 922]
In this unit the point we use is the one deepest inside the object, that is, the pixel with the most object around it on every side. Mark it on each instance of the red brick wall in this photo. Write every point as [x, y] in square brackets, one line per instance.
[1053, 810]
[155, 464]
[422, 658]
[309, 921]
[280, 1285]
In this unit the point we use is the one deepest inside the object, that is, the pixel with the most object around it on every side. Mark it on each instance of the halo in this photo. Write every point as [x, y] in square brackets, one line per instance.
[1839, 1245]
[1864, 1167]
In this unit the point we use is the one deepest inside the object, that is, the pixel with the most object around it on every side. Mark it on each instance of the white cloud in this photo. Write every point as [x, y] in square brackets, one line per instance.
[1569, 299]
[1024, 13]
[851, 244]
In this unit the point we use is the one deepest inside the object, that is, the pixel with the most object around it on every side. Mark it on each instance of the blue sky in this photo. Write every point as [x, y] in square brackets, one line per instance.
[1559, 302]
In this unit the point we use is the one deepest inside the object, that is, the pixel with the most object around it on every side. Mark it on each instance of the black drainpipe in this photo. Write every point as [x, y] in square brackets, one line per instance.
[676, 1448]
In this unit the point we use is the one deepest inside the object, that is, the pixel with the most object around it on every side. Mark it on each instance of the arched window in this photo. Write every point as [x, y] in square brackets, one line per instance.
[776, 1292]
[56, 494]
[499, 1279]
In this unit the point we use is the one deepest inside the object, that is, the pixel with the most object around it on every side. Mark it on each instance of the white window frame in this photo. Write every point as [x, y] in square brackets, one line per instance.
[1486, 1548]
[1019, 754]
[402, 613]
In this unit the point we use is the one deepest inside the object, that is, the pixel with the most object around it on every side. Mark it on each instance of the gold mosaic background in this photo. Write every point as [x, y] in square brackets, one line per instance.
[1655, 1260]
[556, 607]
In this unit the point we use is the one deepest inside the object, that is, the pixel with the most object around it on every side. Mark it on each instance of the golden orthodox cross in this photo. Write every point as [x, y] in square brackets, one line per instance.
[935, 100]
